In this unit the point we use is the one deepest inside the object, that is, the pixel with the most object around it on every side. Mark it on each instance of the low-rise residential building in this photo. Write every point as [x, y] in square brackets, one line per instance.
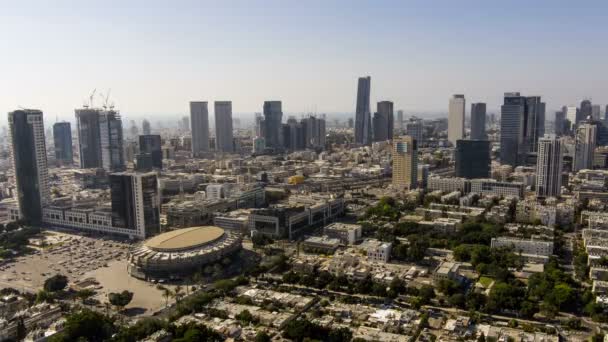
[348, 234]
[531, 249]
[377, 251]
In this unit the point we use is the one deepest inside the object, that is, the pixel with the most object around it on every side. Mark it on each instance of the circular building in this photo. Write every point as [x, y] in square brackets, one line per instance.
[181, 252]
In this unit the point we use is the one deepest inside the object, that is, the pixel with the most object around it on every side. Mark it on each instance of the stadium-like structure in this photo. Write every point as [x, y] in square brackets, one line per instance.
[179, 253]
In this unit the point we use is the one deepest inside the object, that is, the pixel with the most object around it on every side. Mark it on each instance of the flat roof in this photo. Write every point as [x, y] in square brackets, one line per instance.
[186, 238]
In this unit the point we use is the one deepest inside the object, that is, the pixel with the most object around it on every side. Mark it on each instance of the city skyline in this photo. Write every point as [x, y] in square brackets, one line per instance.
[156, 69]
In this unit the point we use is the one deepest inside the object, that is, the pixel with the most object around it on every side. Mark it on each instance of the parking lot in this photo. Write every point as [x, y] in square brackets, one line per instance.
[61, 253]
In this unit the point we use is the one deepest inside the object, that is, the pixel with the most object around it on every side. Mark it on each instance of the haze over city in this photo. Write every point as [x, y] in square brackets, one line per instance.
[157, 55]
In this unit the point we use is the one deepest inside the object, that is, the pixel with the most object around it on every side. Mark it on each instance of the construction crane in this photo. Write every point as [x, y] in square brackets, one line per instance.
[105, 100]
[90, 103]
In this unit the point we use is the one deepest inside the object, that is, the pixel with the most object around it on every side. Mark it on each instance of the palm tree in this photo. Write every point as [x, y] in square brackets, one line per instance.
[177, 293]
[167, 293]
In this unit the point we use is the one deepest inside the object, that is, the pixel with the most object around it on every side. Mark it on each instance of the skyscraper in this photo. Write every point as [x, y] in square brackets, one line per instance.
[110, 133]
[145, 127]
[135, 203]
[399, 124]
[573, 115]
[314, 132]
[151, 144]
[28, 148]
[405, 162]
[383, 121]
[199, 124]
[62, 138]
[478, 121]
[534, 123]
[549, 167]
[415, 129]
[472, 159]
[223, 127]
[586, 111]
[586, 134]
[560, 123]
[258, 125]
[363, 120]
[273, 116]
[456, 119]
[89, 140]
[596, 112]
[512, 120]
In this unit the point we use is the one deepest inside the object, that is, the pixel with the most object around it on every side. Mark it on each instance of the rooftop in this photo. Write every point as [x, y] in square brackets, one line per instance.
[186, 238]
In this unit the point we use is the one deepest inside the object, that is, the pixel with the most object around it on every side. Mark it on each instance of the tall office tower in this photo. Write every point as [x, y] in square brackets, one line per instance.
[151, 144]
[110, 133]
[549, 167]
[273, 116]
[135, 203]
[456, 119]
[478, 121]
[399, 124]
[534, 123]
[560, 123]
[472, 159]
[405, 162]
[350, 123]
[290, 136]
[145, 127]
[62, 137]
[512, 120]
[383, 121]
[415, 129]
[224, 141]
[258, 125]
[363, 120]
[606, 114]
[314, 132]
[28, 148]
[199, 124]
[596, 112]
[89, 139]
[573, 114]
[586, 111]
[586, 134]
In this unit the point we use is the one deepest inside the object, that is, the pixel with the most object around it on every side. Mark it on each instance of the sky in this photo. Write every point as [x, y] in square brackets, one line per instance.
[156, 56]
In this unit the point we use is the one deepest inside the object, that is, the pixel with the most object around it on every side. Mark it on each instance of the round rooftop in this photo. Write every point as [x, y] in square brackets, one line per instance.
[184, 239]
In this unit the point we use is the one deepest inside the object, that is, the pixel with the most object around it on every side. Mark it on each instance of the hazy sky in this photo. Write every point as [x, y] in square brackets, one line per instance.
[158, 55]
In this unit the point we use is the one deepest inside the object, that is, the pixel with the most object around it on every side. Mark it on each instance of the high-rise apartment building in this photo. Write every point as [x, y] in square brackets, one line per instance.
[135, 203]
[456, 118]
[383, 122]
[258, 125]
[28, 151]
[405, 162]
[224, 141]
[145, 127]
[151, 144]
[89, 140]
[314, 132]
[512, 128]
[549, 167]
[363, 121]
[478, 121]
[586, 135]
[472, 159]
[62, 139]
[110, 133]
[199, 125]
[273, 116]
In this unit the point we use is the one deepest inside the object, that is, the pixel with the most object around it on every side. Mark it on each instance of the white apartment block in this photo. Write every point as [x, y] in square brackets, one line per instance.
[525, 246]
[348, 234]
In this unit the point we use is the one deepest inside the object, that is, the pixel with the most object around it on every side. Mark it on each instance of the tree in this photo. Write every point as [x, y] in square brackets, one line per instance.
[245, 317]
[167, 293]
[86, 325]
[85, 294]
[120, 300]
[56, 283]
[262, 336]
[340, 335]
[44, 297]
[178, 293]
